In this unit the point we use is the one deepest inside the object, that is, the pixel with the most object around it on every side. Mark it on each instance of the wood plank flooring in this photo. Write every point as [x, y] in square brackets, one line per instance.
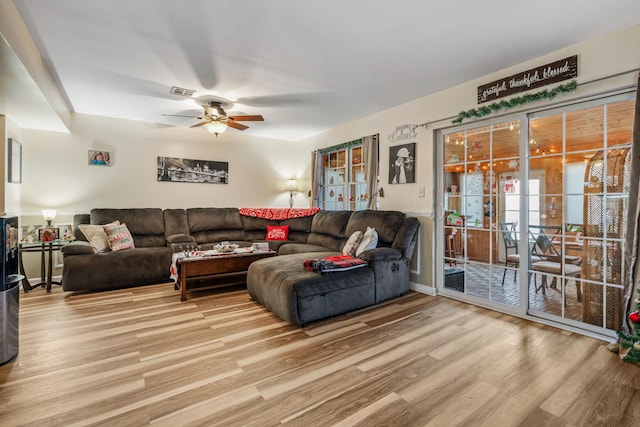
[140, 357]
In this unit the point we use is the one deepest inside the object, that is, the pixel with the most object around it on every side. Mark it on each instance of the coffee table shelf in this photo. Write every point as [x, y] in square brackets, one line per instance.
[210, 272]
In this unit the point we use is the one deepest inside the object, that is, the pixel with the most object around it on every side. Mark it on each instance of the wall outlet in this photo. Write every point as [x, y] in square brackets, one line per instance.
[421, 191]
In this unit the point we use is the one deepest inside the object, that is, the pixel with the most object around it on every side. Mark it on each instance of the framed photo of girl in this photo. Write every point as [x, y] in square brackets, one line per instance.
[99, 158]
[402, 162]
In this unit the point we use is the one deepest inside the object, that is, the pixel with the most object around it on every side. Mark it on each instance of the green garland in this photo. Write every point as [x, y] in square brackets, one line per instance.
[516, 102]
[630, 343]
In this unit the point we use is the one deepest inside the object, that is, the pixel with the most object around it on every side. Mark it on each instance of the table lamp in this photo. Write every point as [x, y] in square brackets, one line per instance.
[48, 234]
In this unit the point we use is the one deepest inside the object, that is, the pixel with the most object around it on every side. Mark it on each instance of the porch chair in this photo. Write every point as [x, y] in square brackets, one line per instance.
[551, 261]
[510, 237]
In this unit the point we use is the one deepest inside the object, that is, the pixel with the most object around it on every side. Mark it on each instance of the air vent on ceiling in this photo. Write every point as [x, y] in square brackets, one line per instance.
[180, 91]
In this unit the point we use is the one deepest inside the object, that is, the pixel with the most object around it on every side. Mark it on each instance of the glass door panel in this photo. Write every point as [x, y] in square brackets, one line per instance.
[474, 256]
[578, 244]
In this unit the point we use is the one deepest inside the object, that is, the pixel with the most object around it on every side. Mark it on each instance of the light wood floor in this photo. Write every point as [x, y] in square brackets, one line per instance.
[139, 356]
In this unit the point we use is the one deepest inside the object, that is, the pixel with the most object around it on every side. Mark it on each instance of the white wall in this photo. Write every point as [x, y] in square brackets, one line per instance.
[12, 191]
[57, 174]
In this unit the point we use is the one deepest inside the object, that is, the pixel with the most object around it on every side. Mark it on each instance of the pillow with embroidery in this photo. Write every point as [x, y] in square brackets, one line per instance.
[352, 244]
[96, 236]
[277, 232]
[369, 241]
[119, 237]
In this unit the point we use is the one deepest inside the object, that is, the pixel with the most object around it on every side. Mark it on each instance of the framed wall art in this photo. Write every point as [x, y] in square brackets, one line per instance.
[15, 162]
[402, 162]
[99, 158]
[174, 169]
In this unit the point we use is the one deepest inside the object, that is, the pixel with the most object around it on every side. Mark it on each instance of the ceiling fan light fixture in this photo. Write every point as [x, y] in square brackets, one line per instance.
[216, 127]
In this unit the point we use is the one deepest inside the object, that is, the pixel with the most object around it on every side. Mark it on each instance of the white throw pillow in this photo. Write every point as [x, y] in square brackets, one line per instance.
[352, 244]
[96, 236]
[369, 241]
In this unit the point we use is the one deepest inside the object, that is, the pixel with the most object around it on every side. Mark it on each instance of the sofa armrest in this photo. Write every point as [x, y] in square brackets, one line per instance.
[381, 254]
[180, 242]
[407, 236]
[77, 248]
[180, 238]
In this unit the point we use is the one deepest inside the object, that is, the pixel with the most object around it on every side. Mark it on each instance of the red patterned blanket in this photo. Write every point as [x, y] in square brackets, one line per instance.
[278, 213]
[333, 264]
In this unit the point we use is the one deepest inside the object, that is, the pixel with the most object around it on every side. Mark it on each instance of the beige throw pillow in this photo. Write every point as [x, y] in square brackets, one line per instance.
[369, 241]
[96, 236]
[352, 244]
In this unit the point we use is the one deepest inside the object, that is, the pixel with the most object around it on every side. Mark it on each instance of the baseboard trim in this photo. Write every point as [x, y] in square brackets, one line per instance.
[423, 289]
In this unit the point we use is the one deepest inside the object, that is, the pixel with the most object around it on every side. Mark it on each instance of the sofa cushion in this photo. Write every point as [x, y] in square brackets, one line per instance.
[299, 228]
[255, 228]
[175, 222]
[386, 223]
[328, 229]
[145, 224]
[209, 225]
[300, 248]
[115, 270]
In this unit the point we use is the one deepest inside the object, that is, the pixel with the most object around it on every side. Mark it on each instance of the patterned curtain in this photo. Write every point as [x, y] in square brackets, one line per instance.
[371, 147]
[633, 222]
[316, 177]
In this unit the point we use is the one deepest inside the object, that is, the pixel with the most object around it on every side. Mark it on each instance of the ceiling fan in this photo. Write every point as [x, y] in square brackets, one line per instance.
[216, 120]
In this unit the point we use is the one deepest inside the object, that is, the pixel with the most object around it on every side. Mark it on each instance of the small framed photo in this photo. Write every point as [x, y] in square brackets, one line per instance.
[48, 234]
[99, 158]
[14, 162]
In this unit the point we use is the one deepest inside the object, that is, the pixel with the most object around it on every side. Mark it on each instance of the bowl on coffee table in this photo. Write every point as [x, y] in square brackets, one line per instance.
[226, 248]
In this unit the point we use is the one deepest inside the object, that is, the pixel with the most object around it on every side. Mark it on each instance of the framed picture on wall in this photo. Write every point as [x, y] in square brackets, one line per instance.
[100, 158]
[402, 162]
[174, 169]
[14, 162]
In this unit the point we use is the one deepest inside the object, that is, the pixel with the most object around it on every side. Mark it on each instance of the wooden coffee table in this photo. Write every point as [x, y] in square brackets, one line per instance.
[209, 272]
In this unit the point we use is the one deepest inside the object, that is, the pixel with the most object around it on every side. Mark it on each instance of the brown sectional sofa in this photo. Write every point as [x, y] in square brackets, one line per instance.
[280, 283]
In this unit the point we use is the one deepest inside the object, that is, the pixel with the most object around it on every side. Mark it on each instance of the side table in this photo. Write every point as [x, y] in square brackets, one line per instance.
[44, 248]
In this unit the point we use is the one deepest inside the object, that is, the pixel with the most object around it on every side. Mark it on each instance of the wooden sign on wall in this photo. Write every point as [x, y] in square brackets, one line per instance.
[557, 71]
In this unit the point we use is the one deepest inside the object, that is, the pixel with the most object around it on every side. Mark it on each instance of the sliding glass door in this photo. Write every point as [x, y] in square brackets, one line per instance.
[585, 152]
[533, 212]
[478, 164]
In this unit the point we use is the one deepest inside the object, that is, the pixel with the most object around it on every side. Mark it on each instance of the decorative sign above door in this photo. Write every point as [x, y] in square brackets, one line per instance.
[557, 71]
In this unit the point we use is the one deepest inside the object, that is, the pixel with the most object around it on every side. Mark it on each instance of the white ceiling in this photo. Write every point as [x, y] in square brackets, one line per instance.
[306, 66]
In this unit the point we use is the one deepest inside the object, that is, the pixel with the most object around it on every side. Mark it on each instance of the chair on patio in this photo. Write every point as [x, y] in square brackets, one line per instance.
[552, 261]
[510, 237]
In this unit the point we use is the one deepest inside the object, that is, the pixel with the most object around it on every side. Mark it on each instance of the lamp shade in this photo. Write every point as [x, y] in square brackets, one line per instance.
[291, 185]
[49, 214]
[216, 127]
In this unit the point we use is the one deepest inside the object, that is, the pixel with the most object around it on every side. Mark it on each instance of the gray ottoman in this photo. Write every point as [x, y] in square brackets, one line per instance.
[299, 296]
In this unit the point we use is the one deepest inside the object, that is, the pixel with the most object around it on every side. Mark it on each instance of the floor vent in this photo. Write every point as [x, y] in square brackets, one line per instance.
[180, 91]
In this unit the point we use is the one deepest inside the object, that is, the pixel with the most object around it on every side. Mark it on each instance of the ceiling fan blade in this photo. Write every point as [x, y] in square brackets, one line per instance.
[200, 124]
[182, 115]
[235, 125]
[257, 118]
